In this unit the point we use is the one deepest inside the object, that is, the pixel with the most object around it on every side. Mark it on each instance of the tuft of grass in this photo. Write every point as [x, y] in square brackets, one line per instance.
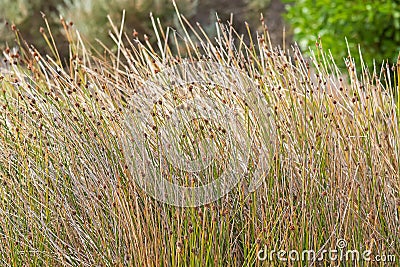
[68, 198]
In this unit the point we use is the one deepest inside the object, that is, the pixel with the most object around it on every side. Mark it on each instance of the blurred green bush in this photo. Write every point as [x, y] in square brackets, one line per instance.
[375, 25]
[26, 14]
[88, 16]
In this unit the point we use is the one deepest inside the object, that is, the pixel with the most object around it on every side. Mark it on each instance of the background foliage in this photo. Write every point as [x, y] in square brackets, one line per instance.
[375, 25]
[90, 17]
[93, 22]
[27, 16]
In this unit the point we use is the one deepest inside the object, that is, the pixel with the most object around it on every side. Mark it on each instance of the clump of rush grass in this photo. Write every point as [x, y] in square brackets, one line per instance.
[67, 197]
